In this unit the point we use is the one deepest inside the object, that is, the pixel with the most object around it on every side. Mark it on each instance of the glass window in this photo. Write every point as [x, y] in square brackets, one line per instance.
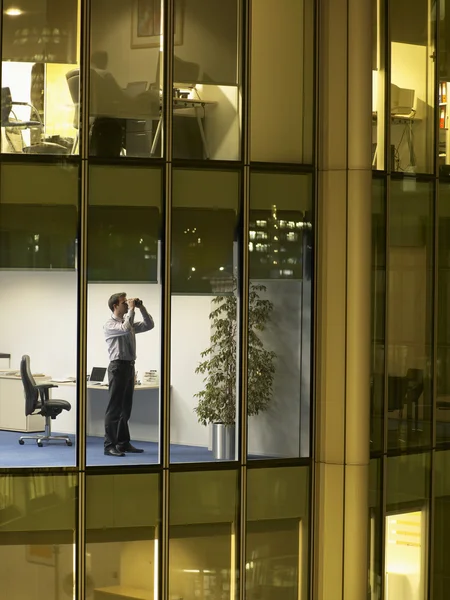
[281, 81]
[277, 560]
[412, 86]
[406, 526]
[40, 45]
[375, 529]
[37, 536]
[378, 313]
[122, 537]
[280, 310]
[443, 329]
[125, 78]
[204, 314]
[203, 536]
[410, 310]
[124, 227]
[378, 84]
[441, 515]
[38, 269]
[205, 80]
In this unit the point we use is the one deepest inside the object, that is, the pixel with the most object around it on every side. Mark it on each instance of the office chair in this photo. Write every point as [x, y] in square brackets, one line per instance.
[37, 401]
[9, 120]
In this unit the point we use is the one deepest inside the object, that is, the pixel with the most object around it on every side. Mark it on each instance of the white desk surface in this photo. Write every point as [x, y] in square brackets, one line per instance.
[48, 379]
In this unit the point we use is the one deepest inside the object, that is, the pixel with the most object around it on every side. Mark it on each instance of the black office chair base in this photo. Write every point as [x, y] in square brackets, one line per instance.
[46, 436]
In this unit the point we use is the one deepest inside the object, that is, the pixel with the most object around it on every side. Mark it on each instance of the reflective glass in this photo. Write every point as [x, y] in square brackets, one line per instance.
[40, 46]
[205, 80]
[412, 86]
[280, 311]
[406, 526]
[203, 535]
[37, 536]
[410, 311]
[38, 258]
[281, 81]
[378, 313]
[122, 536]
[375, 529]
[378, 84]
[204, 315]
[444, 87]
[125, 78]
[441, 513]
[277, 560]
[443, 329]
[124, 229]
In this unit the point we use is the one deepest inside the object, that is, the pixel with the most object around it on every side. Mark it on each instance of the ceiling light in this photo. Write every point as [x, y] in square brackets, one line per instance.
[13, 12]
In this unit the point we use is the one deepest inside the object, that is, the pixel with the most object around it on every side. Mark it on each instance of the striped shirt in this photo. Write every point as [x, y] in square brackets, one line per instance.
[120, 334]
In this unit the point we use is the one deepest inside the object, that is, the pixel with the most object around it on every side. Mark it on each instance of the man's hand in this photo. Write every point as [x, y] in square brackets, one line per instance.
[131, 303]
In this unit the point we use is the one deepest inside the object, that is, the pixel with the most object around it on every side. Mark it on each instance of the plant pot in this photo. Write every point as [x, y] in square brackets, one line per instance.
[223, 441]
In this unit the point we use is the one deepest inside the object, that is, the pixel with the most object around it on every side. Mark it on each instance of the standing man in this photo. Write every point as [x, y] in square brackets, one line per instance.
[120, 334]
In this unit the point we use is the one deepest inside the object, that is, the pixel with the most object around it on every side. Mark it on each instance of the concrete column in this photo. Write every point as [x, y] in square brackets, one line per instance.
[343, 300]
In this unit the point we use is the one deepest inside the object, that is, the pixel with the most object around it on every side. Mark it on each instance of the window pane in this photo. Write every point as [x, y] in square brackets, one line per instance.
[378, 84]
[122, 537]
[124, 224]
[406, 526]
[37, 535]
[277, 561]
[280, 257]
[205, 80]
[203, 535]
[412, 86]
[38, 261]
[39, 46]
[439, 564]
[204, 271]
[378, 313]
[375, 529]
[282, 46]
[443, 89]
[125, 78]
[443, 329]
[410, 311]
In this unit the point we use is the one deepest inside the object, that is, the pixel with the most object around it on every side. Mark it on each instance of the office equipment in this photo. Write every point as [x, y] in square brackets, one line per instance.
[37, 401]
[97, 375]
[402, 101]
[134, 88]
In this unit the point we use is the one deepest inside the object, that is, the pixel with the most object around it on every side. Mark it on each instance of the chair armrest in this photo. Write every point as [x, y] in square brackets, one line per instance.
[43, 391]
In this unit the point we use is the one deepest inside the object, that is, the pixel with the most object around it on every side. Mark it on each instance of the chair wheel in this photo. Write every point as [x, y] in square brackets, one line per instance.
[69, 443]
[40, 444]
[21, 442]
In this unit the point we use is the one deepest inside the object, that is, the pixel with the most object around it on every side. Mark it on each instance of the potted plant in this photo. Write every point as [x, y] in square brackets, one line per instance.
[217, 401]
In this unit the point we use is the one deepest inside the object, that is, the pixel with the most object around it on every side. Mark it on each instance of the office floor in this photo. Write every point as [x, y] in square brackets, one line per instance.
[57, 454]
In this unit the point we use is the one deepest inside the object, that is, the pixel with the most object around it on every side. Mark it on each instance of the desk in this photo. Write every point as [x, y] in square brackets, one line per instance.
[144, 422]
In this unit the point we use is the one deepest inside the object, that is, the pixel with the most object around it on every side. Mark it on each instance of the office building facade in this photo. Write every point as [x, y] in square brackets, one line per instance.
[271, 179]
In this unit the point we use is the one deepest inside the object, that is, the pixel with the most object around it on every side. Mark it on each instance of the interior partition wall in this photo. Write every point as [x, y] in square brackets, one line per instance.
[144, 151]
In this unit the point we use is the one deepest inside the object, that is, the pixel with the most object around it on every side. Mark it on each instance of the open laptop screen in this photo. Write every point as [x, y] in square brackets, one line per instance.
[97, 374]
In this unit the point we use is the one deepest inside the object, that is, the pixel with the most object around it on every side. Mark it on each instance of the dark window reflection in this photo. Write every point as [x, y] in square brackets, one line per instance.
[34, 236]
[123, 243]
[202, 249]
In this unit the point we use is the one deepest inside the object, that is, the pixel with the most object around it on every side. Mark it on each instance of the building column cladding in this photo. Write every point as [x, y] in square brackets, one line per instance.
[343, 286]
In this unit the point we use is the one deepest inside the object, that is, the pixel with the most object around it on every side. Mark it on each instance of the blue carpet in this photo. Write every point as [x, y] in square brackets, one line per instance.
[57, 454]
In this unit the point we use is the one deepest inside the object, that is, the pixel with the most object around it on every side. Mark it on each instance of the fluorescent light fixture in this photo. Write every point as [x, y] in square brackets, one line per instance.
[13, 12]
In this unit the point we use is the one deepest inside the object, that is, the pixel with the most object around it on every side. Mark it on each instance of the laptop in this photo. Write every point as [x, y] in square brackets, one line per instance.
[135, 88]
[98, 375]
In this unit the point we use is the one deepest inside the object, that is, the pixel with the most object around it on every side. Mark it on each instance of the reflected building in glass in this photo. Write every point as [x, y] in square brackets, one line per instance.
[271, 184]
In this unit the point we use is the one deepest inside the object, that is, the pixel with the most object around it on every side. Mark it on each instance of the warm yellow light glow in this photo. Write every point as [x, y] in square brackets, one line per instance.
[13, 12]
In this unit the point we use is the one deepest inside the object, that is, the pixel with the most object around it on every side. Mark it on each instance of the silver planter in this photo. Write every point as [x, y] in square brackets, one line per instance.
[223, 441]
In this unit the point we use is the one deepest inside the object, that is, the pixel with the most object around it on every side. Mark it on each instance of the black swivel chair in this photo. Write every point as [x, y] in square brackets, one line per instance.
[37, 401]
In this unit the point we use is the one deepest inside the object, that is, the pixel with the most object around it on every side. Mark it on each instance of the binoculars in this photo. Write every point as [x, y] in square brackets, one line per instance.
[137, 302]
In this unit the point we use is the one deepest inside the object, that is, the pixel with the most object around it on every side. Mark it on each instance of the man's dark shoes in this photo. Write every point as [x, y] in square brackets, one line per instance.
[129, 448]
[113, 452]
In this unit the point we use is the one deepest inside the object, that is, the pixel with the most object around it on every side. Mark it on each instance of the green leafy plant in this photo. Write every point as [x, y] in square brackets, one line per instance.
[217, 401]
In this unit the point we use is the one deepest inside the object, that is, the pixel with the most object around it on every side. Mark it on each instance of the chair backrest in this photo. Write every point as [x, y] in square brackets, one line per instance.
[73, 82]
[6, 105]
[30, 390]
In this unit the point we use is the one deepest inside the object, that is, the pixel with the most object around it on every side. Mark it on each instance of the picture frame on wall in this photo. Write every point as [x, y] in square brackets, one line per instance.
[146, 24]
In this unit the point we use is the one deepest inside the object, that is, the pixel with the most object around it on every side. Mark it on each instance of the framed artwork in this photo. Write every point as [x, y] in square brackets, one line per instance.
[146, 24]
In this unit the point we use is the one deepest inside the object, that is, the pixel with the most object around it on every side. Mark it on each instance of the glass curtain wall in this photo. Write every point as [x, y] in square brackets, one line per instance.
[130, 183]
